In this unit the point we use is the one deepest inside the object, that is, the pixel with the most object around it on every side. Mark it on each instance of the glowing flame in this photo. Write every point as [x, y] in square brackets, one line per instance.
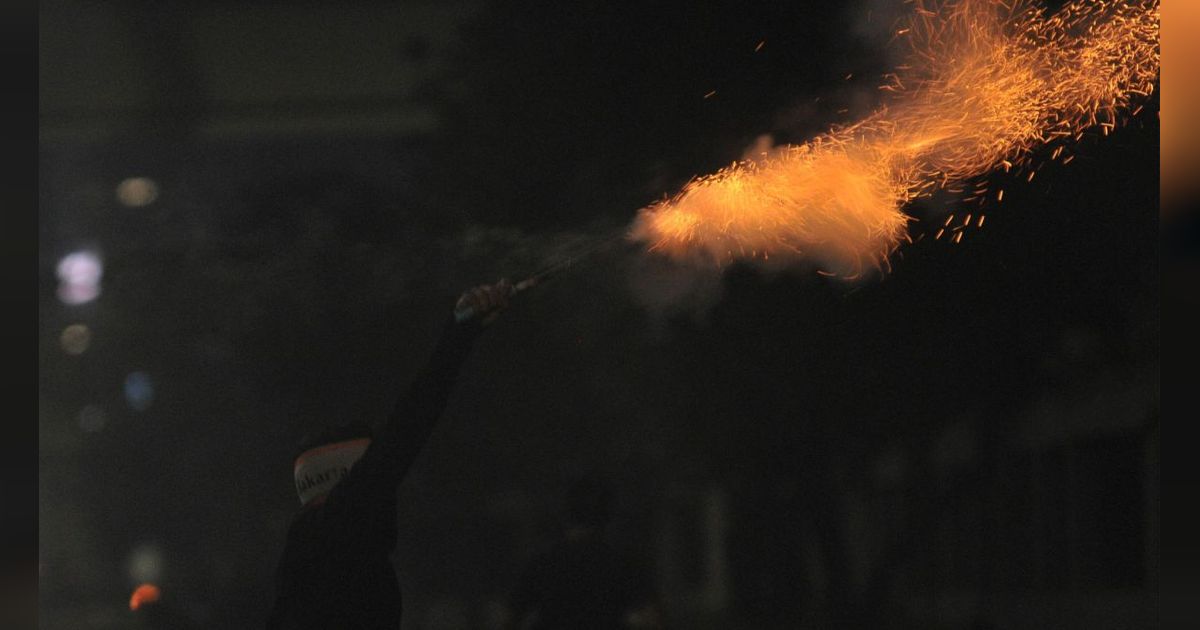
[987, 82]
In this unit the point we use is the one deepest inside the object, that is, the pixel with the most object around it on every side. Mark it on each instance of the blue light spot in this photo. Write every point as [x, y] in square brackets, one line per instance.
[139, 391]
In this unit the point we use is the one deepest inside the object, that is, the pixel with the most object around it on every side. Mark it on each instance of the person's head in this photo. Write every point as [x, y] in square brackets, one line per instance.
[589, 501]
[325, 457]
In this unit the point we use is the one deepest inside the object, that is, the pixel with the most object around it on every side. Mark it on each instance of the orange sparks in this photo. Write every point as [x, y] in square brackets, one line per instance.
[986, 84]
[760, 45]
[710, 94]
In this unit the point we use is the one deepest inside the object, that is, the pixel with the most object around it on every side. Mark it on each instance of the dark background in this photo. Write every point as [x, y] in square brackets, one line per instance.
[974, 438]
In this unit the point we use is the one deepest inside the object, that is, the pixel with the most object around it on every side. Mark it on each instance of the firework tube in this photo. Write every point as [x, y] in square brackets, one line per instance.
[466, 313]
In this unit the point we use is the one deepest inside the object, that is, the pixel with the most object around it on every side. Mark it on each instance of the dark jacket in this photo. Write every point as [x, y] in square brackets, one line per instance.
[335, 571]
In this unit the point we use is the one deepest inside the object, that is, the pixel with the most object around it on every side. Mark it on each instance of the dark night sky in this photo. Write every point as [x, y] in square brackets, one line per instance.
[281, 282]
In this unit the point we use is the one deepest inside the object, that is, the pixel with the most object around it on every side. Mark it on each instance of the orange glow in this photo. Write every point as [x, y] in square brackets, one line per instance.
[987, 83]
[142, 595]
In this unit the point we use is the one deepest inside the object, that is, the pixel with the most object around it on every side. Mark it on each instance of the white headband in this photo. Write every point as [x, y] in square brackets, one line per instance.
[319, 469]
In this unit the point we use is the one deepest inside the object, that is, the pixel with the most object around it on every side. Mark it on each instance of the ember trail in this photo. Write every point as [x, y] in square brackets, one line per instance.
[985, 84]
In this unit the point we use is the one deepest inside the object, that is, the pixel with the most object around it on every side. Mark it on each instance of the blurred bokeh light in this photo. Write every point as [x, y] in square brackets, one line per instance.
[75, 339]
[144, 594]
[79, 275]
[145, 563]
[139, 391]
[136, 192]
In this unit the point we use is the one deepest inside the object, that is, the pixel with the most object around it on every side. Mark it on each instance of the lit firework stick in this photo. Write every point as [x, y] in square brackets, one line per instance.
[465, 313]
[987, 82]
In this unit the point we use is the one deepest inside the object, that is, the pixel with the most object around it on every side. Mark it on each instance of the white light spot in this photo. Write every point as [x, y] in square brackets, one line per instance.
[92, 419]
[145, 563]
[80, 268]
[75, 339]
[79, 276]
[136, 192]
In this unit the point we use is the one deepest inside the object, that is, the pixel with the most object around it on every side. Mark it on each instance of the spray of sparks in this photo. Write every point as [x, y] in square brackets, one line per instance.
[986, 84]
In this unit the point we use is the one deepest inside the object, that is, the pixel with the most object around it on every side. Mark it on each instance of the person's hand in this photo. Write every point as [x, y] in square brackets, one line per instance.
[486, 302]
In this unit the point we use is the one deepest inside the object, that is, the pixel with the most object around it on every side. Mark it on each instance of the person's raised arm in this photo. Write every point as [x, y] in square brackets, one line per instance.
[397, 442]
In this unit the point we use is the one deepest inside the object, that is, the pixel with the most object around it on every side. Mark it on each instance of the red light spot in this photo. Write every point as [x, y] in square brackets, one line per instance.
[144, 594]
